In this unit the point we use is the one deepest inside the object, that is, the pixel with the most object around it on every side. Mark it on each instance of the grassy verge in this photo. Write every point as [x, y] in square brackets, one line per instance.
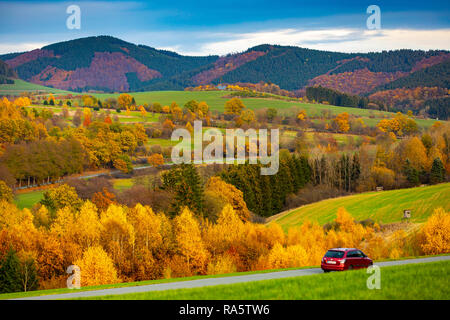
[16, 295]
[149, 282]
[411, 282]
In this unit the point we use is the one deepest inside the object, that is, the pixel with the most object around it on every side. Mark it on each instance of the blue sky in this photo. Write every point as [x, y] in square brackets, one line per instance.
[219, 27]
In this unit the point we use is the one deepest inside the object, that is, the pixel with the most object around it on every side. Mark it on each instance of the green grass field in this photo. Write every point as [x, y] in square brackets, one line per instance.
[409, 282]
[122, 184]
[216, 101]
[341, 138]
[20, 86]
[383, 206]
[135, 116]
[28, 199]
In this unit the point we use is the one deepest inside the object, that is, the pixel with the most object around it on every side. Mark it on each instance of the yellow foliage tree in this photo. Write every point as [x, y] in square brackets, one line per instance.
[117, 233]
[147, 226]
[125, 100]
[222, 264]
[96, 268]
[189, 240]
[436, 232]
[230, 194]
[87, 227]
[234, 106]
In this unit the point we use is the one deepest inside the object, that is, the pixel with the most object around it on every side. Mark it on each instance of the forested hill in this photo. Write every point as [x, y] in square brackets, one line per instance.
[110, 64]
[434, 76]
[6, 73]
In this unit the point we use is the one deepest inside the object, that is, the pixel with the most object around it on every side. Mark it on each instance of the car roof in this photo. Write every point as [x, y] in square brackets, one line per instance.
[343, 249]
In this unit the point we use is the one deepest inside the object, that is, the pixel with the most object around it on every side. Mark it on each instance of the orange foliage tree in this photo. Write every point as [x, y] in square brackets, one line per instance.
[156, 160]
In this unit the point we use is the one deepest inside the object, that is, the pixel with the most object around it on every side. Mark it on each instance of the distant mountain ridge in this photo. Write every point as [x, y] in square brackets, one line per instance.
[110, 64]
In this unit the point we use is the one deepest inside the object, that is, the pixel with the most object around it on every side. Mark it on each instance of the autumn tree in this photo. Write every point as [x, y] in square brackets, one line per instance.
[5, 192]
[234, 106]
[87, 117]
[97, 268]
[117, 235]
[383, 176]
[247, 116]
[229, 230]
[203, 109]
[189, 241]
[27, 272]
[271, 113]
[413, 150]
[436, 235]
[125, 100]
[156, 107]
[155, 160]
[229, 194]
[341, 122]
[103, 199]
[61, 196]
[123, 163]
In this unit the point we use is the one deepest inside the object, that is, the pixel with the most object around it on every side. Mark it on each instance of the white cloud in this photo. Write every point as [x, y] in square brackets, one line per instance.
[342, 40]
[20, 47]
[221, 43]
[391, 40]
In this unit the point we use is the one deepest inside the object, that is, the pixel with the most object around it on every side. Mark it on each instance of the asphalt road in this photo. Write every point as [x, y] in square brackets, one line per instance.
[216, 281]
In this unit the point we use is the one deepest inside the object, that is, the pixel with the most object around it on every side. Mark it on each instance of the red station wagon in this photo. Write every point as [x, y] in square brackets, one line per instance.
[340, 259]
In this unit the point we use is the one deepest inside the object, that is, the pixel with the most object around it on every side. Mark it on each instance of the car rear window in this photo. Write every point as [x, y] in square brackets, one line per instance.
[334, 254]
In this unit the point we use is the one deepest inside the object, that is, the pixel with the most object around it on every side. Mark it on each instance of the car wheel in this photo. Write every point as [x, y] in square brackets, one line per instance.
[326, 271]
[350, 267]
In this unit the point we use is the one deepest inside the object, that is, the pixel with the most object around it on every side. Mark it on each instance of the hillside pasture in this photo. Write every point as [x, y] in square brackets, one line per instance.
[20, 86]
[382, 206]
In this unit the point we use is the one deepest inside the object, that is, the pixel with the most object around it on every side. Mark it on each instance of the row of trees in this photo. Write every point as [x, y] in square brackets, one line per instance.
[336, 98]
[342, 173]
[120, 243]
[44, 160]
[266, 195]
[40, 147]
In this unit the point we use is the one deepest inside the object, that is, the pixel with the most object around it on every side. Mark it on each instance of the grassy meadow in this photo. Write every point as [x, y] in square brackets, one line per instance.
[28, 199]
[20, 86]
[216, 101]
[382, 206]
